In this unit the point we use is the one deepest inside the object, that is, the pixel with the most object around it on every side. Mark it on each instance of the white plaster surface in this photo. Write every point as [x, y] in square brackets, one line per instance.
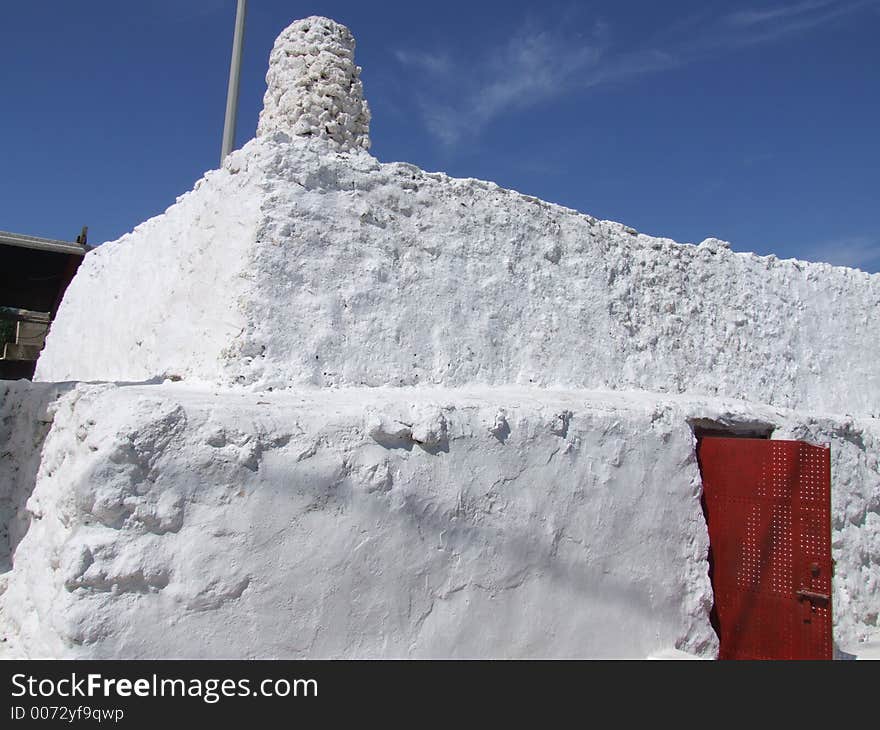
[296, 264]
[394, 522]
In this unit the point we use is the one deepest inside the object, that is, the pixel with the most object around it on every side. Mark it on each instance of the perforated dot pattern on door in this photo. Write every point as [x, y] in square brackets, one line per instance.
[748, 571]
[812, 476]
[781, 558]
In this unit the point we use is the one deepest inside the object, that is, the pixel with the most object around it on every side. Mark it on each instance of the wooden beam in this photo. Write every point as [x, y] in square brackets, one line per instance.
[24, 315]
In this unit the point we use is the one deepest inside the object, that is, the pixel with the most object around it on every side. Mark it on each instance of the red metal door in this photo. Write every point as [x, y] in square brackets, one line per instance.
[768, 507]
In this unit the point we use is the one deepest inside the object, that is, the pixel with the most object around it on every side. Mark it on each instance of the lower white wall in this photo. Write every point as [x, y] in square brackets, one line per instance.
[170, 522]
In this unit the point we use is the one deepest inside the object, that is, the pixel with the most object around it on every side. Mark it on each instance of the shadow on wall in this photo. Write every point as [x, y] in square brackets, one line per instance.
[24, 424]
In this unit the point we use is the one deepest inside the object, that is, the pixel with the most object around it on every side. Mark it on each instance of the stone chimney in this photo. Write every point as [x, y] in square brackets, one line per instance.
[314, 87]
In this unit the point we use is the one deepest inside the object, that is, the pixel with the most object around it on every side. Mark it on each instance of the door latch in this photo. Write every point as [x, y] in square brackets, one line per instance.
[813, 596]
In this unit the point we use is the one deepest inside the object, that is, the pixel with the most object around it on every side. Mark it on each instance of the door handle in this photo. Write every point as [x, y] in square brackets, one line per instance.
[812, 596]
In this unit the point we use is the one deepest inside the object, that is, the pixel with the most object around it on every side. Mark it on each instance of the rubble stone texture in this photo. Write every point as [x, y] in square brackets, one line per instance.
[314, 87]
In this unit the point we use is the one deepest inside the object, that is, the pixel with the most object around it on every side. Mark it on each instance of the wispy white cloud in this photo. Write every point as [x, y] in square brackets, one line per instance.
[748, 27]
[529, 68]
[756, 16]
[461, 96]
[533, 66]
[435, 63]
[859, 252]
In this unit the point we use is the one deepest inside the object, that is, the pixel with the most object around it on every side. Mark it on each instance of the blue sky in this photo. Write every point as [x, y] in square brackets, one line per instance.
[755, 122]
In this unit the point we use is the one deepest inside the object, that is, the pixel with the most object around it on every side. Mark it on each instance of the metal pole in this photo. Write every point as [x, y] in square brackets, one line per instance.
[234, 74]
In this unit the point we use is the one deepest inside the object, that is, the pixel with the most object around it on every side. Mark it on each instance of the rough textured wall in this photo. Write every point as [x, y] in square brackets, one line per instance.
[297, 264]
[401, 277]
[165, 299]
[393, 522]
[404, 523]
